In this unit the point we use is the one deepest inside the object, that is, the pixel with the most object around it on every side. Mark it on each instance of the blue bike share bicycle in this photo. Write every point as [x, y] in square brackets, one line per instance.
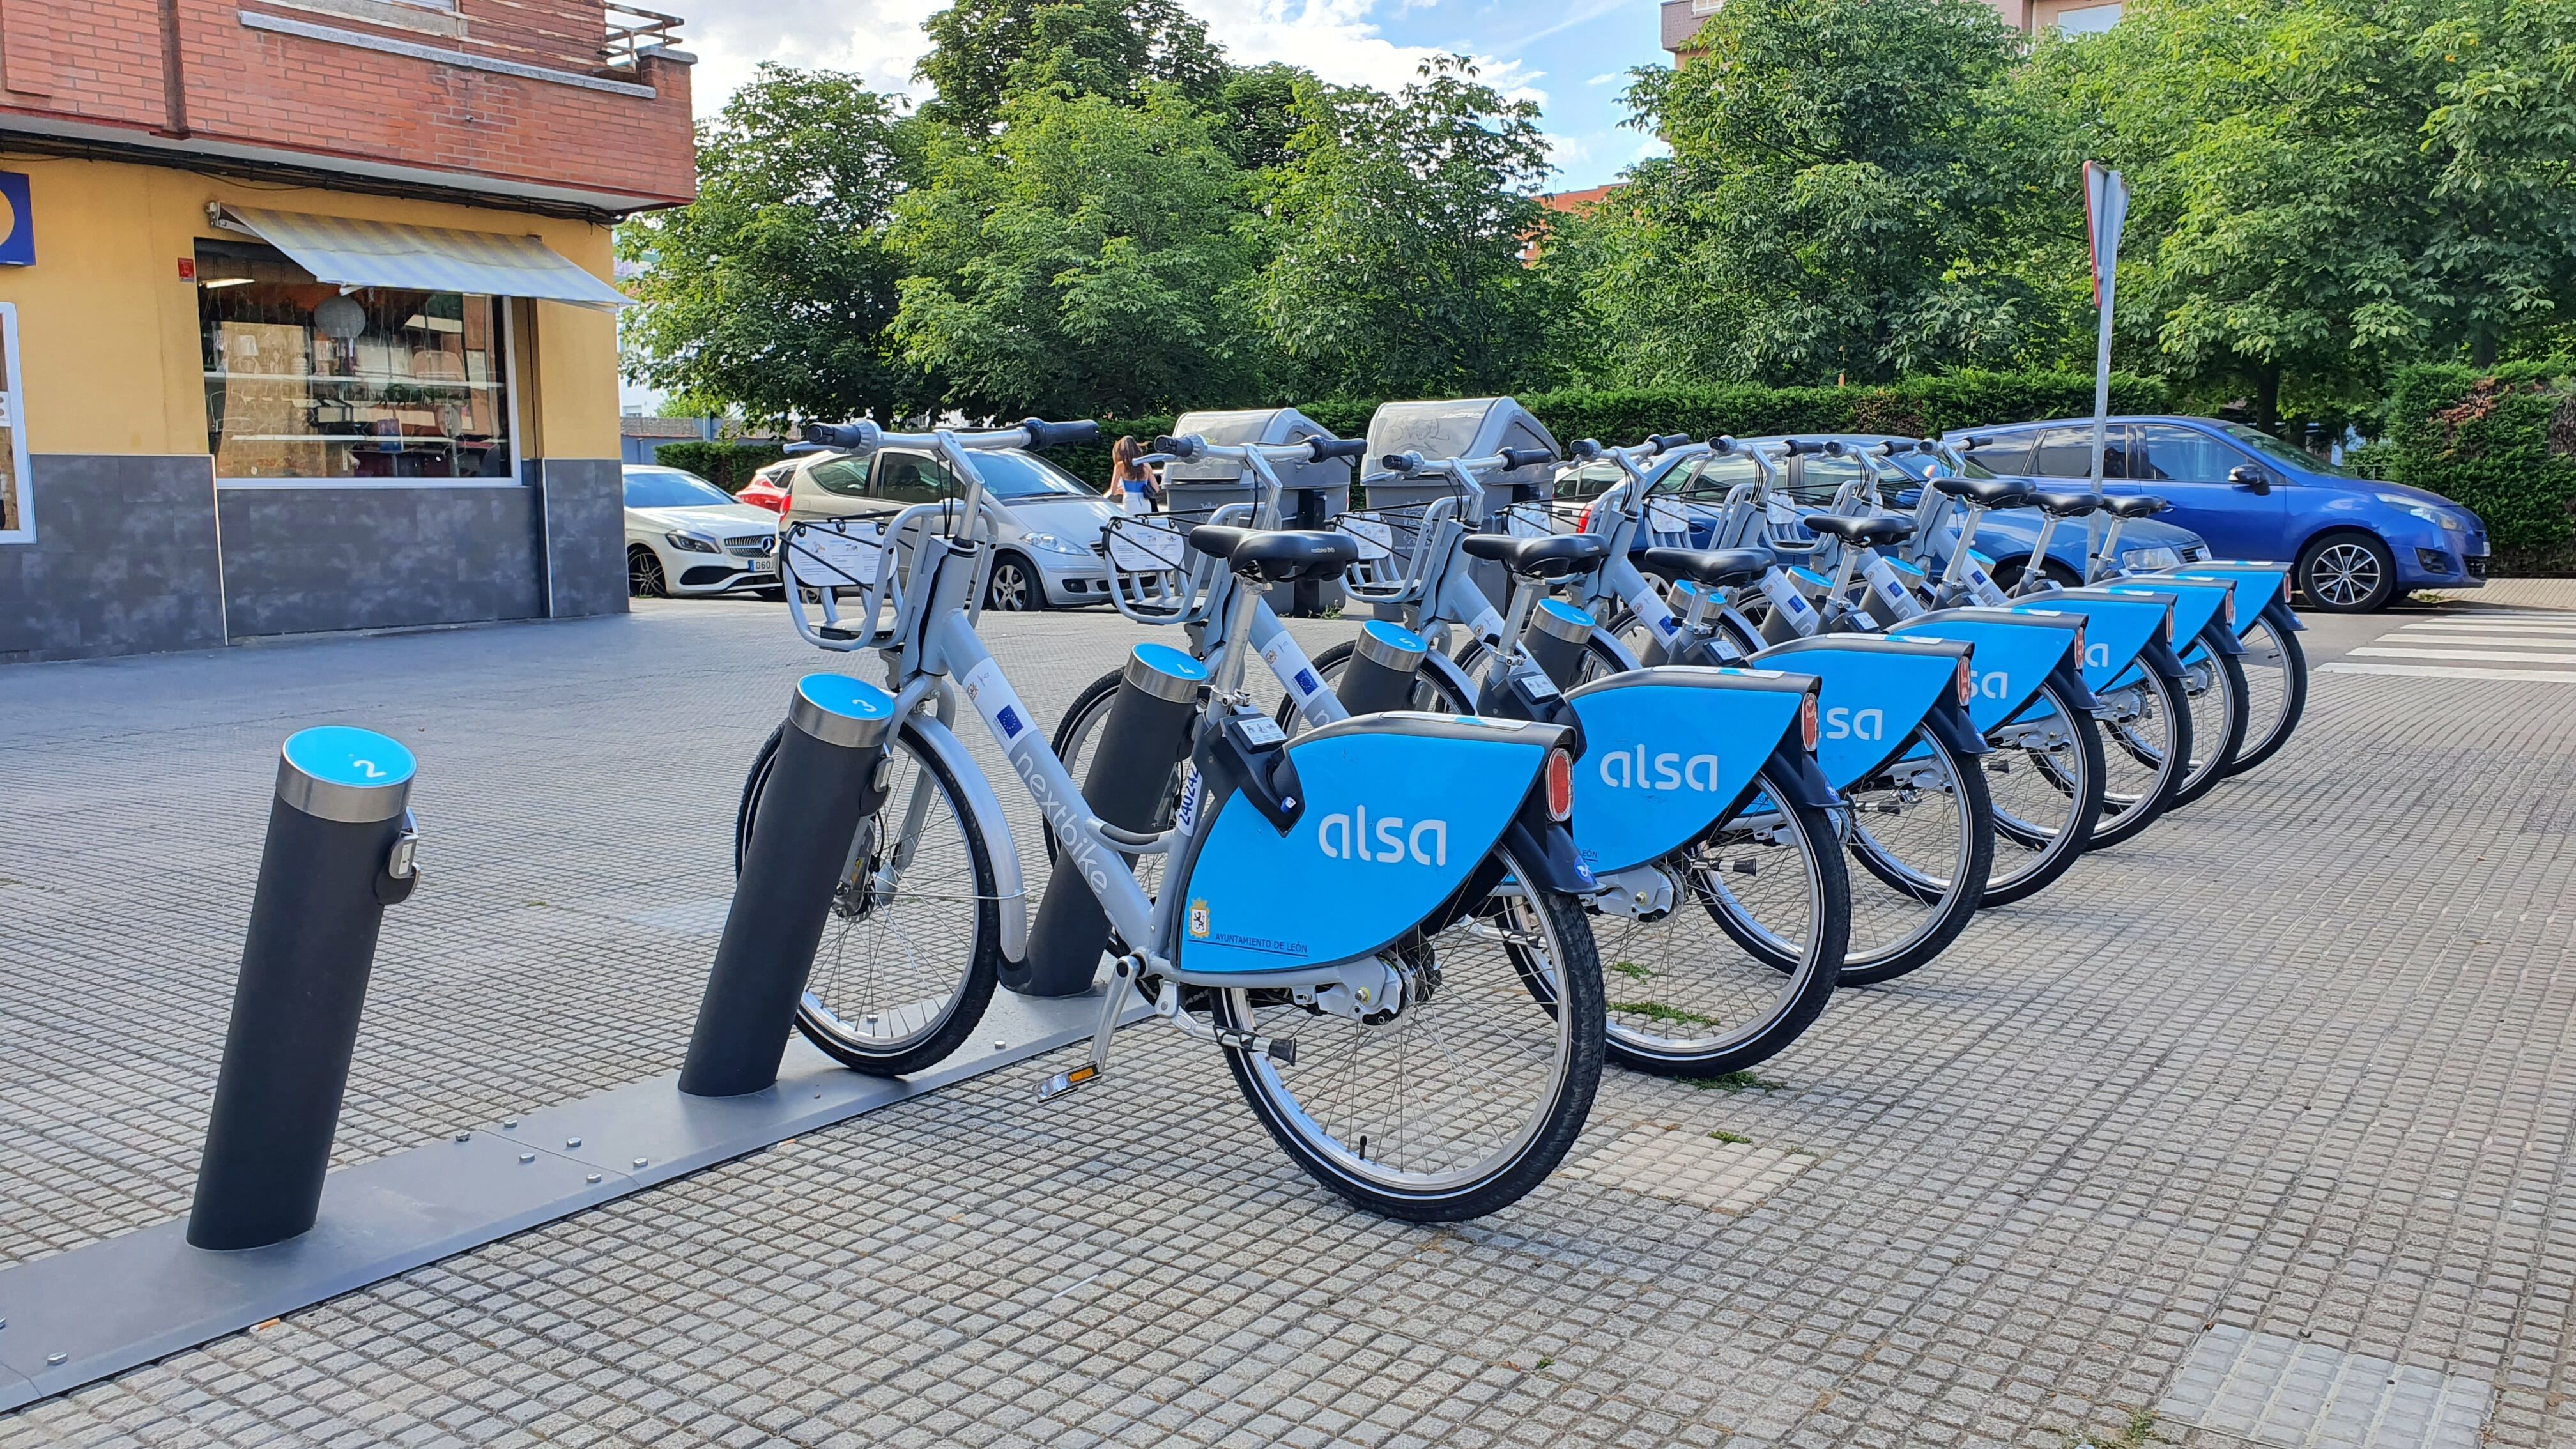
[1379, 923]
[1697, 806]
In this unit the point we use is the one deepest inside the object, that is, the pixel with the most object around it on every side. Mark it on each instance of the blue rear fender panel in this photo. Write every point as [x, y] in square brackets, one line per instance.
[2196, 602]
[2257, 585]
[1875, 690]
[1667, 750]
[2011, 659]
[2114, 631]
[1399, 809]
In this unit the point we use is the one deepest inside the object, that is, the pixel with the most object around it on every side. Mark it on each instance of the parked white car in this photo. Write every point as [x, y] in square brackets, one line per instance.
[684, 536]
[1049, 553]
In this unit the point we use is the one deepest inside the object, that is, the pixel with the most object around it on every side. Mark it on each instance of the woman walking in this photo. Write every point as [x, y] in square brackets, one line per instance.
[1134, 483]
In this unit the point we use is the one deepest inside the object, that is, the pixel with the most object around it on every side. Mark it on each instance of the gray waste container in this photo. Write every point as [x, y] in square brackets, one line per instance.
[1460, 428]
[1316, 493]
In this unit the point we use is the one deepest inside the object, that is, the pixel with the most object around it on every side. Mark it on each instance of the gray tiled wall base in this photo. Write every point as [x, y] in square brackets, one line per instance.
[80, 1316]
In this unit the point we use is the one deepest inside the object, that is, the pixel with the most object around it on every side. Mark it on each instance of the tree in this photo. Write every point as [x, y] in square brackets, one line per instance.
[773, 290]
[983, 51]
[1841, 202]
[1400, 222]
[1094, 260]
[2328, 189]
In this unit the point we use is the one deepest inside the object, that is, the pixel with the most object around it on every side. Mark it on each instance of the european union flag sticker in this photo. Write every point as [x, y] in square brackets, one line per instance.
[17, 222]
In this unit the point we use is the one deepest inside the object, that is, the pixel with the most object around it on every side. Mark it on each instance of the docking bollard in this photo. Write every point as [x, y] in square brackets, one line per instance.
[1555, 640]
[829, 774]
[340, 847]
[1382, 667]
[1148, 732]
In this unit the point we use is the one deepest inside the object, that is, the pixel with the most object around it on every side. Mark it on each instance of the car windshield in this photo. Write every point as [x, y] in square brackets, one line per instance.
[2267, 446]
[1018, 475]
[671, 488]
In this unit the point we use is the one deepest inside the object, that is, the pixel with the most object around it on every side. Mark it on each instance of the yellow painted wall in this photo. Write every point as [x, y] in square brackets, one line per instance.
[107, 332]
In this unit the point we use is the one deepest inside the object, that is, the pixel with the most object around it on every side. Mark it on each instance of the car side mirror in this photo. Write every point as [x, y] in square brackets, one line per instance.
[2250, 478]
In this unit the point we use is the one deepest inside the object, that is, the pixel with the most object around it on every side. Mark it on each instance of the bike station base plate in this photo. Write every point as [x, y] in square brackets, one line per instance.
[108, 1306]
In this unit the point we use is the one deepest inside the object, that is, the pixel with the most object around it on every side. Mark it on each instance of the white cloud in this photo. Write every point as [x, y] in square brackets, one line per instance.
[1605, 78]
[1566, 151]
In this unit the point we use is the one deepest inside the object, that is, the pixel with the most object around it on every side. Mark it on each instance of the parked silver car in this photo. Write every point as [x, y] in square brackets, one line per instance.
[1048, 553]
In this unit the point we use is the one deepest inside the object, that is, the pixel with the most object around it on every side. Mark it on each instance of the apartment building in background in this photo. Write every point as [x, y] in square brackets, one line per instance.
[1683, 18]
[307, 315]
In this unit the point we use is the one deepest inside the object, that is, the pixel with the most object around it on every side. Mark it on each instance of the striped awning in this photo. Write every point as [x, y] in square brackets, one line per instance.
[355, 253]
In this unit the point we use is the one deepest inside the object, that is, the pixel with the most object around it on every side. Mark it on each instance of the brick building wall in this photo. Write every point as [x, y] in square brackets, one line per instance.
[256, 73]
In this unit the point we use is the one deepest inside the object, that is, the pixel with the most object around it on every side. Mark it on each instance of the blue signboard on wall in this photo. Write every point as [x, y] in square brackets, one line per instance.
[17, 222]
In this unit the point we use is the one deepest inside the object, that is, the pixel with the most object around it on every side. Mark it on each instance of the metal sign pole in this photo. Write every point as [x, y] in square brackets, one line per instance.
[2106, 206]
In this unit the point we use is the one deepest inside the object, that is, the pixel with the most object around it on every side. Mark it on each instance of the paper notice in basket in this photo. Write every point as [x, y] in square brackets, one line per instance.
[1665, 516]
[1528, 520]
[846, 553]
[1377, 539]
[1146, 548]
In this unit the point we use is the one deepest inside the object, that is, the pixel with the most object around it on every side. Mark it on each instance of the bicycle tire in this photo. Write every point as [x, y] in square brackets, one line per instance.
[1573, 1011]
[1954, 902]
[973, 995]
[1791, 1009]
[2265, 735]
[2124, 815]
[2054, 851]
[2209, 759]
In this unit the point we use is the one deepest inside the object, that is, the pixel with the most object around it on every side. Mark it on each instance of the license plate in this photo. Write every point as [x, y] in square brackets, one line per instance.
[2477, 565]
[764, 565]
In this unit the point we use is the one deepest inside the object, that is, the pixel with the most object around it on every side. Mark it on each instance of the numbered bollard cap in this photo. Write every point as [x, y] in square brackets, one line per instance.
[839, 710]
[1165, 672]
[1391, 646]
[354, 776]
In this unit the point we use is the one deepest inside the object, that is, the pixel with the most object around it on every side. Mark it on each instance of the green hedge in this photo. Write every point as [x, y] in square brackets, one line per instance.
[1917, 407]
[726, 465]
[2502, 441]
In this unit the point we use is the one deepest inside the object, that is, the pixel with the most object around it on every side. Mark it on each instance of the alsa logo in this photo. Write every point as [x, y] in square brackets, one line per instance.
[1995, 684]
[2097, 656]
[1842, 722]
[1348, 837]
[1634, 769]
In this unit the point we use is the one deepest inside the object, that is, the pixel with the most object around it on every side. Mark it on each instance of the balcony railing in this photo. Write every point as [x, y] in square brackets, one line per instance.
[633, 31]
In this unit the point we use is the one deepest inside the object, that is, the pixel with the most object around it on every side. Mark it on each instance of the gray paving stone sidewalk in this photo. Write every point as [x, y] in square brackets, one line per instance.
[2259, 1126]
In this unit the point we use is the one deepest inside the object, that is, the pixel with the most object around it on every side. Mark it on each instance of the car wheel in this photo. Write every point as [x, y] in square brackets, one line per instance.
[644, 577]
[1014, 587]
[2007, 574]
[2348, 573]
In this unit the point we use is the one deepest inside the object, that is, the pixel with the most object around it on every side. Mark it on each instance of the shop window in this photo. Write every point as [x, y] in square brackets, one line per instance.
[379, 384]
[17, 507]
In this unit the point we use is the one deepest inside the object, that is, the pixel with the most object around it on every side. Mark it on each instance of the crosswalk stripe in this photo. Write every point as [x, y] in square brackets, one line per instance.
[2512, 626]
[2435, 671]
[2508, 656]
[2479, 641]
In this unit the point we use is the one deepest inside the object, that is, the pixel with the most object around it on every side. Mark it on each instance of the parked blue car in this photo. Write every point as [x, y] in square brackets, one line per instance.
[2005, 537]
[2352, 544]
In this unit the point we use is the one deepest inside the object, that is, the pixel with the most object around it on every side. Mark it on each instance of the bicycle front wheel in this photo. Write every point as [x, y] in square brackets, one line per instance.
[2146, 745]
[1472, 1093]
[912, 947]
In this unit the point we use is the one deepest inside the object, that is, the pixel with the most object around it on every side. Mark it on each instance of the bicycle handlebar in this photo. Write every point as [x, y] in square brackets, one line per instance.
[1320, 449]
[1584, 449]
[1795, 447]
[1666, 442]
[1033, 434]
[1526, 458]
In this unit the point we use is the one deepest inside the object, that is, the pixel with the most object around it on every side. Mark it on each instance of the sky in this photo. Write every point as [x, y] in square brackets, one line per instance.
[1572, 56]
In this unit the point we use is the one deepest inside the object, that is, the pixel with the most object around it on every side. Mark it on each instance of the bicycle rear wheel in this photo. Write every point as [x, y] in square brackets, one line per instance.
[1923, 829]
[2276, 693]
[1476, 1088]
[2146, 742]
[912, 948]
[2045, 779]
[2215, 686]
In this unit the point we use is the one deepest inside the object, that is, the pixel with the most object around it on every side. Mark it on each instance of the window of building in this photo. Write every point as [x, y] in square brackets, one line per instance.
[17, 506]
[380, 384]
[2087, 19]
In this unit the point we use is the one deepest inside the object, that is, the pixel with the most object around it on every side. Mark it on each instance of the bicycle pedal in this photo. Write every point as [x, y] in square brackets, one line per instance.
[1744, 867]
[1064, 1082]
[1889, 808]
[2000, 767]
[1283, 1051]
